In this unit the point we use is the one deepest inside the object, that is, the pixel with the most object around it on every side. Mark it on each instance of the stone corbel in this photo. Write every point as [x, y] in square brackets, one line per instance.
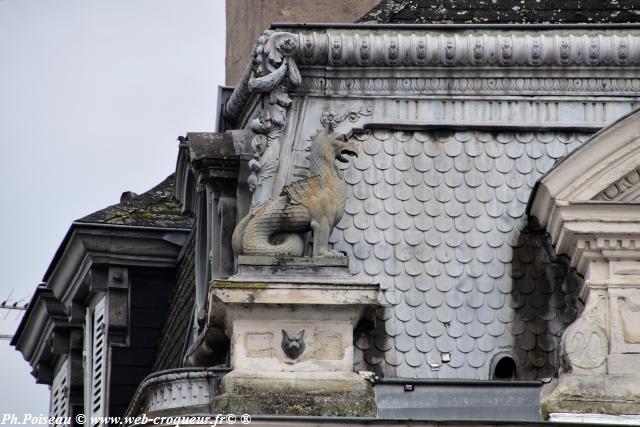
[58, 340]
[118, 305]
[210, 344]
[43, 373]
[114, 283]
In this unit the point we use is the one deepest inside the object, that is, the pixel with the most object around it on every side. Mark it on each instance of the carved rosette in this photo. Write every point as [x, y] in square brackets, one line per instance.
[273, 73]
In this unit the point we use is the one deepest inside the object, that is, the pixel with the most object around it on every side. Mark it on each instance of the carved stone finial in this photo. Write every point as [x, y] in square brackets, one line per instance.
[313, 204]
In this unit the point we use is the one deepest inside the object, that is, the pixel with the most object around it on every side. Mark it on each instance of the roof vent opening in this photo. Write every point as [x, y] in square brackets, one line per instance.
[505, 369]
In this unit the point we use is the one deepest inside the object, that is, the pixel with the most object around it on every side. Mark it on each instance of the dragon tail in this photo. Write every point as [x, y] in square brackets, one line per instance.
[238, 234]
[273, 230]
[281, 245]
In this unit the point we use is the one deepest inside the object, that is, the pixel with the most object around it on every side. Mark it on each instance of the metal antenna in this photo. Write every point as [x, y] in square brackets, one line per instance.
[9, 306]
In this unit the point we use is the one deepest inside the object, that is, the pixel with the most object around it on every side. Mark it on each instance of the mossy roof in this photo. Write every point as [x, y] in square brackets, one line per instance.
[154, 208]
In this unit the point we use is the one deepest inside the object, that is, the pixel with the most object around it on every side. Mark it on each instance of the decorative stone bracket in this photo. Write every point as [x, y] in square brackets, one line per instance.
[270, 75]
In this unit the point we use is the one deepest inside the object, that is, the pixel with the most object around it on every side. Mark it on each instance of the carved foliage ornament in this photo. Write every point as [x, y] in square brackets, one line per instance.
[273, 72]
[330, 119]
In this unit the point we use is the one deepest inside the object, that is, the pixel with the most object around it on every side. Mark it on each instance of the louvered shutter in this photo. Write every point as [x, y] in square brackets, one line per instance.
[97, 403]
[58, 406]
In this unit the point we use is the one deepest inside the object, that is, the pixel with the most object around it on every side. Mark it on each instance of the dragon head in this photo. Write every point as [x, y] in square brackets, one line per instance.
[331, 145]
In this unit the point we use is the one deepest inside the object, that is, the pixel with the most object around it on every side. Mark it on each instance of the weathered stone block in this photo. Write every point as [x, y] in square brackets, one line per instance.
[592, 394]
[315, 394]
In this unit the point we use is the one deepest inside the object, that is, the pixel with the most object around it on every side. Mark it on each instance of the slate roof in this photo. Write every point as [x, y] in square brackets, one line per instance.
[154, 208]
[438, 218]
[175, 330]
[503, 11]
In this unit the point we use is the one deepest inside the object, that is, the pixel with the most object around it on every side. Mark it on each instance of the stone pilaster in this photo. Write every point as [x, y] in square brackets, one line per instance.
[601, 349]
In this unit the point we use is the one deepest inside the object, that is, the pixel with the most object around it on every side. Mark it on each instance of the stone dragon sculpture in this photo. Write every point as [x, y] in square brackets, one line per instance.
[315, 203]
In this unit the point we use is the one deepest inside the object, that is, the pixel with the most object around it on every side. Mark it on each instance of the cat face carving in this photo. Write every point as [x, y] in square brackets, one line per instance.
[293, 344]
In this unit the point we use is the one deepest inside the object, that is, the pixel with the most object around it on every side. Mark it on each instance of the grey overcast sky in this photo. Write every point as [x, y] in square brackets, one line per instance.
[93, 94]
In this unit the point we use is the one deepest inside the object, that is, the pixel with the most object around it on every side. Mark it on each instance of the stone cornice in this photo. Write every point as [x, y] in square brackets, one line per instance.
[204, 157]
[467, 48]
[595, 231]
[444, 62]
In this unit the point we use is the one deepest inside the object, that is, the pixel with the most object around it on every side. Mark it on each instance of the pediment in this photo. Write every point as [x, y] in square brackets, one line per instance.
[625, 189]
[592, 197]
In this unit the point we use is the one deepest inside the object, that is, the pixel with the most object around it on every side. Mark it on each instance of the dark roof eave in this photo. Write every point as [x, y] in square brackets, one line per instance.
[76, 224]
[25, 317]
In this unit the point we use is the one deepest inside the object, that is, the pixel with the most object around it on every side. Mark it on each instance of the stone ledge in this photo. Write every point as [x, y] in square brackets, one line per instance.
[274, 269]
[294, 292]
[299, 394]
[339, 261]
[592, 394]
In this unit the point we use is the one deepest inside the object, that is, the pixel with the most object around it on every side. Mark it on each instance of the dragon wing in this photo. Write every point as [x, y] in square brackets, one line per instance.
[304, 190]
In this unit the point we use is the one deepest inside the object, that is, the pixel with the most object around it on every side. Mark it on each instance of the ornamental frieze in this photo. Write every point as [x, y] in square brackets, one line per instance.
[408, 48]
[475, 85]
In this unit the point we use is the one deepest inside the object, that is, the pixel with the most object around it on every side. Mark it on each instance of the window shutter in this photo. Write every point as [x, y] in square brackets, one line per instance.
[98, 392]
[58, 406]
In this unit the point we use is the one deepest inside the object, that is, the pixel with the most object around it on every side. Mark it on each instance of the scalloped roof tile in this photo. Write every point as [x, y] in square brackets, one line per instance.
[439, 219]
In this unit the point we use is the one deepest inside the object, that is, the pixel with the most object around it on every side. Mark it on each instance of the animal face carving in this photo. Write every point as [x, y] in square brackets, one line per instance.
[293, 344]
[334, 146]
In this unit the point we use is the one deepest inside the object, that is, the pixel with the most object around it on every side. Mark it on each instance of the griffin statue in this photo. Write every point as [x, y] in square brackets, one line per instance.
[315, 203]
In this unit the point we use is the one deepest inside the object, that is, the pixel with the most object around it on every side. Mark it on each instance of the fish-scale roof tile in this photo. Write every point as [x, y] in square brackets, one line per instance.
[438, 219]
